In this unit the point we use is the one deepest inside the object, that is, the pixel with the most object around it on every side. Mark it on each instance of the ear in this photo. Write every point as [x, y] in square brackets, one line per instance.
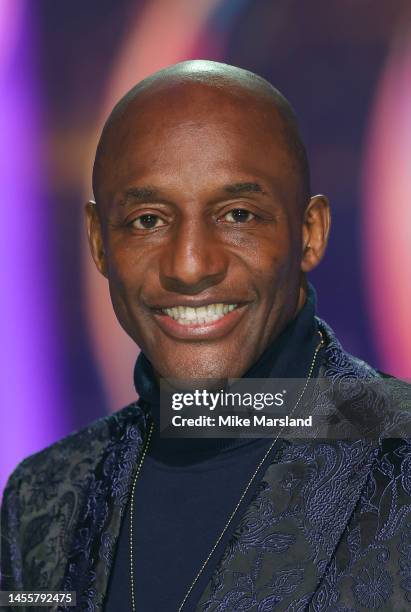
[95, 237]
[316, 228]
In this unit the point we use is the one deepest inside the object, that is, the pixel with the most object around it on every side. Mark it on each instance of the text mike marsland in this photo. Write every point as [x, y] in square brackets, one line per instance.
[258, 420]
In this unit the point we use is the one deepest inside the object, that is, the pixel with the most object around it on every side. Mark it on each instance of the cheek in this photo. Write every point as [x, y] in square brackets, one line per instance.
[122, 274]
[127, 269]
[274, 269]
[270, 258]
[126, 278]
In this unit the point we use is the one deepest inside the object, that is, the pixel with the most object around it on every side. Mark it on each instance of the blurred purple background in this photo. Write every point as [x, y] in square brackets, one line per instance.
[345, 67]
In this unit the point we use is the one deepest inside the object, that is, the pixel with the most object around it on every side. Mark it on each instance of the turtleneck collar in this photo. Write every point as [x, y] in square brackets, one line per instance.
[289, 356]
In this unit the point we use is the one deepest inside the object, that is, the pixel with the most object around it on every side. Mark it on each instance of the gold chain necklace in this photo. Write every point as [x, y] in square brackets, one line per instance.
[244, 493]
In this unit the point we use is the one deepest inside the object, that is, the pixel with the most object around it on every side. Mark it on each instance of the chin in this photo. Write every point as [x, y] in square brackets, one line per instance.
[185, 366]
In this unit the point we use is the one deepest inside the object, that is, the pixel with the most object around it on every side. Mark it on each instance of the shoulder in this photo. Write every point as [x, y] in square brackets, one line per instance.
[339, 363]
[374, 404]
[71, 458]
[47, 491]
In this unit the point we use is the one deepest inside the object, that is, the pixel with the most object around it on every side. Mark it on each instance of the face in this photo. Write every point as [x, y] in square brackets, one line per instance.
[200, 231]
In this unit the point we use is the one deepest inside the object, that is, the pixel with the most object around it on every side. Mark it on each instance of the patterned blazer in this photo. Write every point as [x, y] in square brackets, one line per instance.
[327, 526]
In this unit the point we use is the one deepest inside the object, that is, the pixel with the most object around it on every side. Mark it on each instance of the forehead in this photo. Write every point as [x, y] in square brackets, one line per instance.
[197, 136]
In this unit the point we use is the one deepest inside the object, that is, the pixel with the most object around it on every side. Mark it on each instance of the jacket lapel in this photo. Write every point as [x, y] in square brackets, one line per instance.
[105, 497]
[286, 537]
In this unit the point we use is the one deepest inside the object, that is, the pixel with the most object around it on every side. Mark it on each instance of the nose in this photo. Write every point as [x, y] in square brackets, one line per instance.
[194, 260]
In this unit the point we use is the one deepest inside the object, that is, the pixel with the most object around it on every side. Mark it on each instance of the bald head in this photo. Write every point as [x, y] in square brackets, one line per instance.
[208, 86]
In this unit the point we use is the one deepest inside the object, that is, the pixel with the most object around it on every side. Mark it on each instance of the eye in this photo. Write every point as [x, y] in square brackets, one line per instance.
[147, 221]
[239, 215]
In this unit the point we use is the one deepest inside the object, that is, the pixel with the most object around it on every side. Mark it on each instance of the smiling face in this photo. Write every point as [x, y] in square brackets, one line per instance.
[200, 229]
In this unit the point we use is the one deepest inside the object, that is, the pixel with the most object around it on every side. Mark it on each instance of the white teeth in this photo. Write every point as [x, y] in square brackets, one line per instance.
[190, 314]
[185, 315]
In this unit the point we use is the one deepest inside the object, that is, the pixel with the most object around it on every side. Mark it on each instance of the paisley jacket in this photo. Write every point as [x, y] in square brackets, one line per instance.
[326, 528]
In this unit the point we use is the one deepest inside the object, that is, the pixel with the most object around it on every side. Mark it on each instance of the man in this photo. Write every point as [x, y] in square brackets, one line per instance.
[204, 226]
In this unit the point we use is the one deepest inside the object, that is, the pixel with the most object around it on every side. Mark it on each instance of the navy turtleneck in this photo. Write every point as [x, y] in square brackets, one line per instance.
[188, 488]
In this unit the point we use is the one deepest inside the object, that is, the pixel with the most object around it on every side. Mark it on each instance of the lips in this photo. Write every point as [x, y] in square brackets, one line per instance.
[188, 315]
[205, 322]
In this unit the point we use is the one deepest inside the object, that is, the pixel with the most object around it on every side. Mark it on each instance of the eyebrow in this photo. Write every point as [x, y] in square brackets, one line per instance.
[152, 194]
[236, 188]
[142, 194]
